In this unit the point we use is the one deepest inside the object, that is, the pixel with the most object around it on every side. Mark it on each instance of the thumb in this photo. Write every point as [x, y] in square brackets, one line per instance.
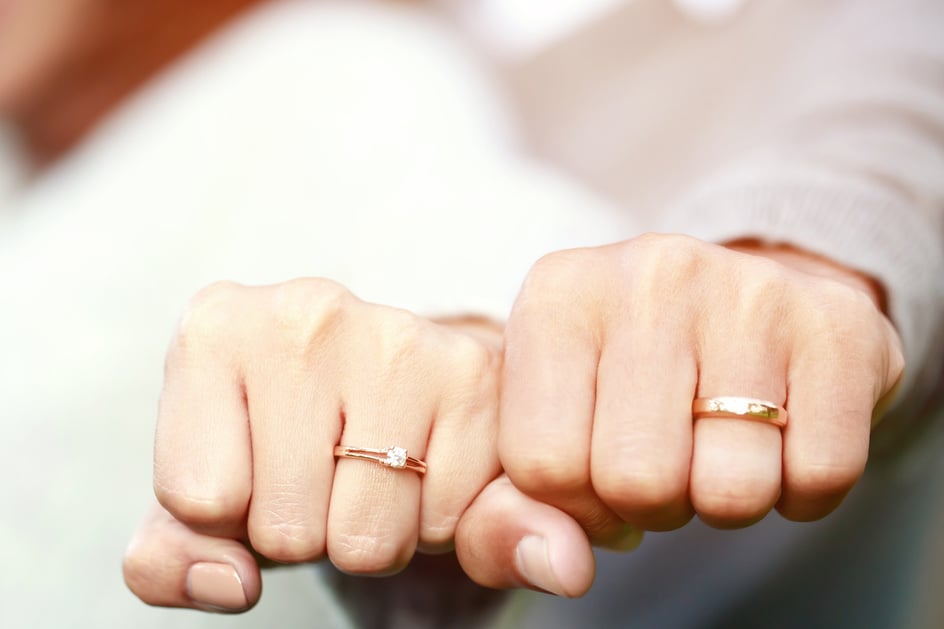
[169, 565]
[506, 539]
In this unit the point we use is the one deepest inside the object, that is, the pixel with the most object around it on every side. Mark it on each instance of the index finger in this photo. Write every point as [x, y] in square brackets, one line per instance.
[202, 449]
[548, 395]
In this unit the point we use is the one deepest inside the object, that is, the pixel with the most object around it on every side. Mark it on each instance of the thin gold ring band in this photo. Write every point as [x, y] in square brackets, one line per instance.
[740, 408]
[393, 456]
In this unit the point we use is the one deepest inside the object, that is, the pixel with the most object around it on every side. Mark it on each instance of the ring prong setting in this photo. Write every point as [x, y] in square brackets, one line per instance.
[396, 457]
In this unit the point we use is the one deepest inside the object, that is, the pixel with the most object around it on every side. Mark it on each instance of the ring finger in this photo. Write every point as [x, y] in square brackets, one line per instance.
[736, 462]
[374, 509]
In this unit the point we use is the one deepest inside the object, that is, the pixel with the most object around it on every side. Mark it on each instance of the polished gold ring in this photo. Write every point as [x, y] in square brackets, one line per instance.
[393, 456]
[740, 408]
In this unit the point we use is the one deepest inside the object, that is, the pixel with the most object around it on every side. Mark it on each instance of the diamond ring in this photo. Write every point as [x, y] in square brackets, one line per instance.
[390, 457]
[740, 408]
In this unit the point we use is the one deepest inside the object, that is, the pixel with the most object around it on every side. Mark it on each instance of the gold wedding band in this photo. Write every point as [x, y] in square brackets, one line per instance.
[388, 457]
[740, 408]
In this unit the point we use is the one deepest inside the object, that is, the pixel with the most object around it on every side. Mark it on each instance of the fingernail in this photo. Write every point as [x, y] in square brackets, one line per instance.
[216, 586]
[534, 565]
[628, 539]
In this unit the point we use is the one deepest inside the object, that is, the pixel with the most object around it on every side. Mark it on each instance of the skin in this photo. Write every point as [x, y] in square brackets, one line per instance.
[70, 62]
[253, 405]
[659, 321]
[603, 353]
[73, 62]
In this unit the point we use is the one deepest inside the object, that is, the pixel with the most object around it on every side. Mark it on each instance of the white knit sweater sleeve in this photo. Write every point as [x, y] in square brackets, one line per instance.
[858, 173]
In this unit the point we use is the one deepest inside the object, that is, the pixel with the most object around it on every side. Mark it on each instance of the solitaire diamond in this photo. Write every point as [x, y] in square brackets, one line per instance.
[396, 457]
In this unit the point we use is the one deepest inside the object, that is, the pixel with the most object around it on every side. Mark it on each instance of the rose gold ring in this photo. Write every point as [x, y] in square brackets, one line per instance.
[740, 408]
[390, 457]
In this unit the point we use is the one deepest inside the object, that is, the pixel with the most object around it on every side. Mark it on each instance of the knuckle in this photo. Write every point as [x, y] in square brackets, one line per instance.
[357, 553]
[673, 250]
[651, 242]
[764, 303]
[207, 317]
[559, 295]
[638, 489]
[197, 512]
[719, 508]
[307, 310]
[555, 272]
[476, 365]
[734, 501]
[601, 525]
[287, 541]
[400, 338]
[838, 314]
[545, 471]
[764, 290]
[844, 351]
[282, 527]
[824, 479]
[851, 341]
[438, 531]
[657, 264]
[472, 355]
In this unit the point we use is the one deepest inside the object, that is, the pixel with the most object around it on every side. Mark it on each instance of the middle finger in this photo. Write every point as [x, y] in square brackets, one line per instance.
[736, 462]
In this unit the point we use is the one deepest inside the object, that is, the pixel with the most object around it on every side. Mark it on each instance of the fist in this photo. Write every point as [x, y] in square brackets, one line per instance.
[607, 348]
[261, 384]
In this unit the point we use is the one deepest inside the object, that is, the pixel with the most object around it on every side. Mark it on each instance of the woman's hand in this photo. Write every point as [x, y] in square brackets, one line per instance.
[261, 384]
[607, 348]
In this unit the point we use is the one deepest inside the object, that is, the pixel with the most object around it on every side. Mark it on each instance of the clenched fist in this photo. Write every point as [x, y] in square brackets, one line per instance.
[607, 348]
[261, 385]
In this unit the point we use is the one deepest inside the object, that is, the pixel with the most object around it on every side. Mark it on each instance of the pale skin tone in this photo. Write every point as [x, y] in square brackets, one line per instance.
[603, 353]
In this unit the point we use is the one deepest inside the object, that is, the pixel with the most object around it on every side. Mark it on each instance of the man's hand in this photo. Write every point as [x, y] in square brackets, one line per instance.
[607, 348]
